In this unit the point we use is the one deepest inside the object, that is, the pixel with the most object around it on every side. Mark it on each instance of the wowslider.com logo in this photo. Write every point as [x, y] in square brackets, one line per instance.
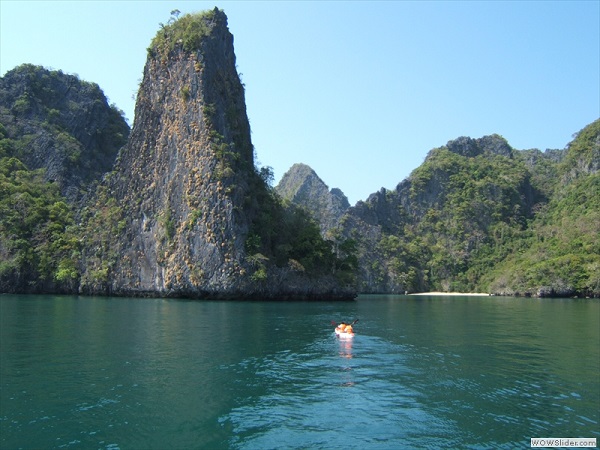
[563, 442]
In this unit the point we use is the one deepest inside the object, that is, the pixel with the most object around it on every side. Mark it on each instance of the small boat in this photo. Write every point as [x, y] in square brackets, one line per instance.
[344, 330]
[343, 334]
[339, 332]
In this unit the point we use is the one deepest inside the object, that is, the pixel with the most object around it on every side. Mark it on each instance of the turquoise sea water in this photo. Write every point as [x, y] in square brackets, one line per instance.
[421, 372]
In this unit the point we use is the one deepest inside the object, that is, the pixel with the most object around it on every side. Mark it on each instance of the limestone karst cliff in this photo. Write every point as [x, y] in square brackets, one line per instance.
[302, 186]
[58, 136]
[428, 233]
[188, 212]
[57, 122]
[478, 215]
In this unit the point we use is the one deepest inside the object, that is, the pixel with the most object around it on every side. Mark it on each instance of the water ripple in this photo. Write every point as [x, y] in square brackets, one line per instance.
[350, 393]
[420, 373]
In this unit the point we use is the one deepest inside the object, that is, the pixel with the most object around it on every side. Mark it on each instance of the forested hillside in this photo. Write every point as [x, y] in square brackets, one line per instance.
[58, 136]
[478, 215]
[560, 252]
[57, 122]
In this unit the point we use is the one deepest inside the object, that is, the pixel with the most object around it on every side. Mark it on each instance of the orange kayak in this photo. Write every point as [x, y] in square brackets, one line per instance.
[343, 334]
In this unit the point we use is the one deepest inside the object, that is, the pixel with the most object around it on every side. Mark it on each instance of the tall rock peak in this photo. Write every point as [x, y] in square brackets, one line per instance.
[185, 197]
[302, 186]
[184, 174]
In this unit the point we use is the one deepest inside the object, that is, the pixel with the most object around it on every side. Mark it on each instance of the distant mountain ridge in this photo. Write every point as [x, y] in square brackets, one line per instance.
[476, 216]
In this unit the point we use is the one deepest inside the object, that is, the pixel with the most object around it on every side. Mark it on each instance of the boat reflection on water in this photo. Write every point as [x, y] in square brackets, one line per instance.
[345, 347]
[345, 352]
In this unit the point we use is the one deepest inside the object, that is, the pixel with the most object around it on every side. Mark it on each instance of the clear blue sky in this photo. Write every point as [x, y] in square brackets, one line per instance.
[360, 91]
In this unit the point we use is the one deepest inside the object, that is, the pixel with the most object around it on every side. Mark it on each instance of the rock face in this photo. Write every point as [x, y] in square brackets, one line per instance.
[480, 216]
[302, 186]
[469, 147]
[61, 124]
[175, 179]
[185, 188]
[425, 232]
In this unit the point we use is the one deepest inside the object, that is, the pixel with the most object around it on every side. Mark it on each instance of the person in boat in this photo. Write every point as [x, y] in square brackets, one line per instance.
[344, 328]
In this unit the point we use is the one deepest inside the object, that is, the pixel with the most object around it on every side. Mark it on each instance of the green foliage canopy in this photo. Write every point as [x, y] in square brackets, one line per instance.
[39, 246]
[186, 31]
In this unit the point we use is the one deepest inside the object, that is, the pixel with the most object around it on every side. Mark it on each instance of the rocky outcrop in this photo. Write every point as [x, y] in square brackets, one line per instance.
[493, 144]
[480, 216]
[583, 156]
[425, 232]
[302, 186]
[185, 192]
[61, 124]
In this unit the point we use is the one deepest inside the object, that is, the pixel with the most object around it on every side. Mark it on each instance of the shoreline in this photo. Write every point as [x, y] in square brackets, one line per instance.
[469, 294]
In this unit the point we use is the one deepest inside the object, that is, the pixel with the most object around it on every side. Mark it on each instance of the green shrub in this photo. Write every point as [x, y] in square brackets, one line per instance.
[37, 230]
[185, 93]
[187, 31]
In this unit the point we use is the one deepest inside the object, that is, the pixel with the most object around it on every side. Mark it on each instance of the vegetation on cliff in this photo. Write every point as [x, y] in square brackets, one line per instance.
[480, 216]
[560, 252]
[58, 136]
[57, 122]
[288, 236]
[190, 213]
[38, 244]
[187, 32]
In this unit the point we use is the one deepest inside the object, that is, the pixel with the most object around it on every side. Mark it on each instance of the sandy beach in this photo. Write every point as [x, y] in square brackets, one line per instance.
[478, 294]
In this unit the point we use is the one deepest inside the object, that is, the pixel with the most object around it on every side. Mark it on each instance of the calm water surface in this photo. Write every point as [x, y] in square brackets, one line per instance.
[422, 372]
